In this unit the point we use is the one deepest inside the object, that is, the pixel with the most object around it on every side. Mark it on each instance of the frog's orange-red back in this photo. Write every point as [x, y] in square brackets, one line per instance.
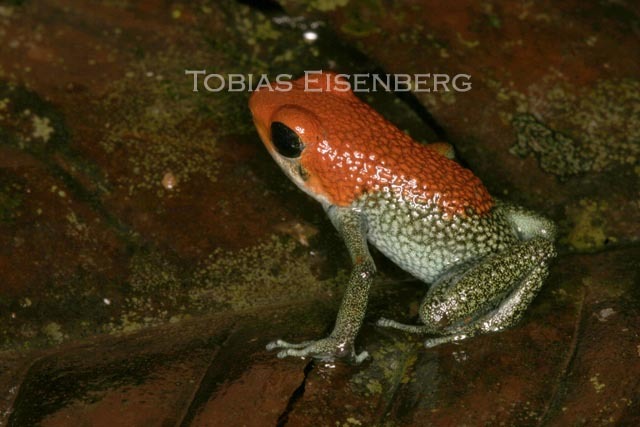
[351, 150]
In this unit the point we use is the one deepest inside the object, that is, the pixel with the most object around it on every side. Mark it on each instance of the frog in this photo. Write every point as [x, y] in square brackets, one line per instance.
[484, 259]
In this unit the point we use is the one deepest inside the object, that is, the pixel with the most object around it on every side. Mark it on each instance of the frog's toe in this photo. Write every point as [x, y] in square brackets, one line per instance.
[415, 329]
[361, 357]
[287, 345]
[432, 342]
[308, 351]
[303, 349]
[386, 323]
[290, 352]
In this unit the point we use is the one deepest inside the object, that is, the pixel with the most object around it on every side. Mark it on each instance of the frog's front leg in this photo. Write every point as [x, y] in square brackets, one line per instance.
[352, 226]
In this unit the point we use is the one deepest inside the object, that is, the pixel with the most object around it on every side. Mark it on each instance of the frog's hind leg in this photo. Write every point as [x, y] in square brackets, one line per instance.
[508, 313]
[487, 297]
[444, 282]
[491, 296]
[525, 265]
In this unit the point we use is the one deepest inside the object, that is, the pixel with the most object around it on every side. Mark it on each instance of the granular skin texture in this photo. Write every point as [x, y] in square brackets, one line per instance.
[362, 153]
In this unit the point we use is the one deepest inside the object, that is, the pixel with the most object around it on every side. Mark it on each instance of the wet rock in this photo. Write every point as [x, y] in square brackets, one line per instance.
[128, 200]
[142, 380]
[129, 204]
[551, 368]
[575, 352]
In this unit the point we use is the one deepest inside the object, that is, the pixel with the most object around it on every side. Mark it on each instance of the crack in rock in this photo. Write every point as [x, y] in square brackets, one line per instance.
[295, 396]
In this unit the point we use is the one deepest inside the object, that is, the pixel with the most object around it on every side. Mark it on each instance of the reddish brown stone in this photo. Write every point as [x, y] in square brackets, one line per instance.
[95, 111]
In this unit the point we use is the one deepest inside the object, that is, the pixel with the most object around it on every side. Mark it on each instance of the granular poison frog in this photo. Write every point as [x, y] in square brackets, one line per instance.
[485, 259]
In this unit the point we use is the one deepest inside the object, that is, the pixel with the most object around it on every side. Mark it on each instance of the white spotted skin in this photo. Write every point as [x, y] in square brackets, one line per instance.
[485, 270]
[420, 240]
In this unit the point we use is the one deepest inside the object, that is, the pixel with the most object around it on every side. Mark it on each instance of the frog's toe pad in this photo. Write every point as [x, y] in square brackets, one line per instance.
[359, 358]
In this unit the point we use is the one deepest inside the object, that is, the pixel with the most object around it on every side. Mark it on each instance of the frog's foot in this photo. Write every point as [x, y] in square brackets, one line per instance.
[421, 329]
[326, 349]
[414, 329]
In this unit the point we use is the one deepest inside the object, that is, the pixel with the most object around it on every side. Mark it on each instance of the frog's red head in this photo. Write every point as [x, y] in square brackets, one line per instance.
[335, 148]
[296, 122]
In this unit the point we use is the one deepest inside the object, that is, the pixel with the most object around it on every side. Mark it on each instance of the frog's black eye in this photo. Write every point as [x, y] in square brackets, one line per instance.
[286, 141]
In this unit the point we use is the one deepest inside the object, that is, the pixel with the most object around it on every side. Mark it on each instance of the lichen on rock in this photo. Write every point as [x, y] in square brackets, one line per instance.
[583, 130]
